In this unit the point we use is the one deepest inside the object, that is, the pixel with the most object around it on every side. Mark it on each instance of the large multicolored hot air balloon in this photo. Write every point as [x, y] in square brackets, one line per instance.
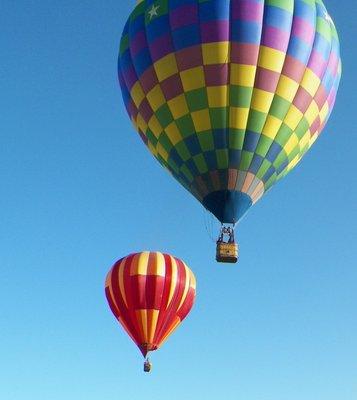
[229, 95]
[150, 293]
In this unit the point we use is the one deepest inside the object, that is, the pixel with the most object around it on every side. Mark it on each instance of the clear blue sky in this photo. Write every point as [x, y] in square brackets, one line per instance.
[79, 190]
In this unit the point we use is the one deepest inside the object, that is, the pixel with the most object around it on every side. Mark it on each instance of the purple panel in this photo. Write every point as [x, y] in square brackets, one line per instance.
[266, 80]
[303, 30]
[138, 43]
[215, 31]
[161, 47]
[242, 53]
[148, 79]
[294, 69]
[247, 10]
[302, 100]
[172, 87]
[189, 58]
[185, 15]
[216, 75]
[275, 38]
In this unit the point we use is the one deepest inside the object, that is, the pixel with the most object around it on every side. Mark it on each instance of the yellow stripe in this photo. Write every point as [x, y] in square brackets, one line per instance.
[187, 285]
[153, 316]
[173, 280]
[139, 264]
[121, 281]
[141, 317]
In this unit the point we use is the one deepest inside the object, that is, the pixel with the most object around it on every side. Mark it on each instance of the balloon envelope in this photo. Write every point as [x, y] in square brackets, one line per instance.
[229, 95]
[150, 293]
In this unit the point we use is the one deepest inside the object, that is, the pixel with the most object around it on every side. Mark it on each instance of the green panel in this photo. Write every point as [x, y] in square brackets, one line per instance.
[185, 125]
[164, 115]
[263, 145]
[263, 169]
[294, 153]
[218, 117]
[165, 142]
[287, 5]
[187, 172]
[280, 159]
[206, 140]
[200, 163]
[197, 99]
[183, 150]
[302, 128]
[240, 96]
[283, 135]
[151, 137]
[256, 121]
[124, 44]
[222, 158]
[173, 166]
[236, 138]
[246, 159]
[279, 107]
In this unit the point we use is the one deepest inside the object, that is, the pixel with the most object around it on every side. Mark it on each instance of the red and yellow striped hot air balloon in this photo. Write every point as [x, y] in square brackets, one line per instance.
[150, 293]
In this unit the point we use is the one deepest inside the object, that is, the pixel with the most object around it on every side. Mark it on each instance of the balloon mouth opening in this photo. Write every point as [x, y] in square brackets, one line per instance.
[146, 347]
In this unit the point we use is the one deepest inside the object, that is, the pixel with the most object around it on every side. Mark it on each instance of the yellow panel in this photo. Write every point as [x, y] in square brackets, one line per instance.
[261, 100]
[141, 123]
[139, 264]
[152, 149]
[324, 112]
[271, 127]
[121, 282]
[238, 117]
[312, 112]
[173, 280]
[173, 133]
[215, 53]
[155, 126]
[163, 153]
[243, 75]
[166, 67]
[153, 316]
[193, 78]
[156, 98]
[310, 82]
[217, 96]
[201, 120]
[292, 164]
[304, 140]
[137, 93]
[178, 106]
[287, 88]
[291, 144]
[313, 140]
[293, 117]
[271, 59]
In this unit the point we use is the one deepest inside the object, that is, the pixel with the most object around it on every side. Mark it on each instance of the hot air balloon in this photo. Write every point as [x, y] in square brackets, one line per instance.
[228, 95]
[150, 294]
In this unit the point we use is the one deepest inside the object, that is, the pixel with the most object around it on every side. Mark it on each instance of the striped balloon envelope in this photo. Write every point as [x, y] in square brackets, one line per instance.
[229, 95]
[150, 293]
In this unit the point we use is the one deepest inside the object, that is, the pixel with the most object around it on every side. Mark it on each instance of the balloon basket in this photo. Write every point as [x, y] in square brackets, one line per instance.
[227, 252]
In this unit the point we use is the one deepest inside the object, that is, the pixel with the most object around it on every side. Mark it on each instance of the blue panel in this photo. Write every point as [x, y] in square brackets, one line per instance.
[269, 174]
[234, 158]
[192, 167]
[299, 49]
[283, 165]
[256, 164]
[193, 145]
[273, 152]
[175, 157]
[251, 140]
[178, 3]
[158, 27]
[142, 61]
[227, 206]
[186, 36]
[220, 139]
[137, 25]
[214, 10]
[246, 31]
[278, 18]
[211, 159]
